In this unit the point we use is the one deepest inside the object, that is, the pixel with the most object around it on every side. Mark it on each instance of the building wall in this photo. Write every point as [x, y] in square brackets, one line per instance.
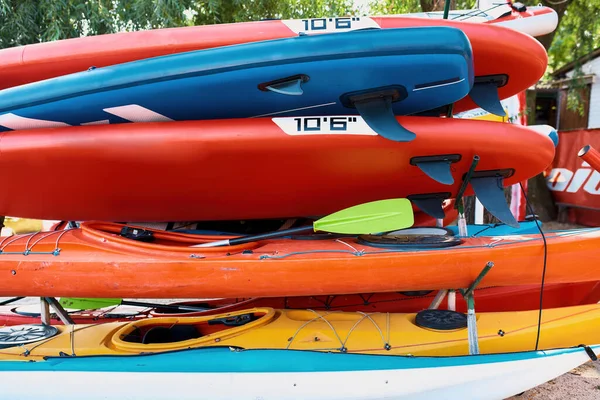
[593, 67]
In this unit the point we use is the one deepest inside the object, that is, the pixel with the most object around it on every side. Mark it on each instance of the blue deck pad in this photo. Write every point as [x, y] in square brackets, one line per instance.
[434, 65]
[487, 230]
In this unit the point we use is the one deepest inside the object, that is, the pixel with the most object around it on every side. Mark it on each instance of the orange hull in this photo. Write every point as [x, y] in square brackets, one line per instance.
[496, 50]
[96, 262]
[243, 168]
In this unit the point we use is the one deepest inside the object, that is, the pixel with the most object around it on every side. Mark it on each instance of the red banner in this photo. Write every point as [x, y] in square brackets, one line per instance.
[572, 181]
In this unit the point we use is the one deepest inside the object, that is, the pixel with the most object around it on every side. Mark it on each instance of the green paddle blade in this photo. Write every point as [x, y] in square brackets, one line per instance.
[369, 218]
[87, 304]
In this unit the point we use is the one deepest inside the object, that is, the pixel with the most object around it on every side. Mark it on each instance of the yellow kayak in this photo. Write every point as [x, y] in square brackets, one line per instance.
[351, 332]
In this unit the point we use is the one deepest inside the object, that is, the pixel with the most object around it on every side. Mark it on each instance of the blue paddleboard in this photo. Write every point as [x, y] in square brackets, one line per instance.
[375, 73]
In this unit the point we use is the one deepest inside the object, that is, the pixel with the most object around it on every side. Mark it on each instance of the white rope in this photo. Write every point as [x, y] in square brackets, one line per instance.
[319, 316]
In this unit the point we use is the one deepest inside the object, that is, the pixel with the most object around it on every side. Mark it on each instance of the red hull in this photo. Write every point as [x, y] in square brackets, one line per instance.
[242, 168]
[515, 298]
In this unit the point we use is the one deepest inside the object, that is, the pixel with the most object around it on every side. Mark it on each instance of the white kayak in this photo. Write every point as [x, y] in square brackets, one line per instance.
[227, 373]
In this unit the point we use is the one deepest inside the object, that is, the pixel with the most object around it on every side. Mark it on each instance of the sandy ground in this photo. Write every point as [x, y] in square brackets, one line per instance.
[582, 383]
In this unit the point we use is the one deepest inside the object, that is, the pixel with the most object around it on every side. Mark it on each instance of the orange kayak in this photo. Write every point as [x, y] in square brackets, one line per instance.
[241, 169]
[511, 59]
[95, 261]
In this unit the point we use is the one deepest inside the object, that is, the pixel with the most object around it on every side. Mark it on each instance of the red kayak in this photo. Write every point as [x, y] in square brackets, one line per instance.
[247, 168]
[512, 60]
[514, 298]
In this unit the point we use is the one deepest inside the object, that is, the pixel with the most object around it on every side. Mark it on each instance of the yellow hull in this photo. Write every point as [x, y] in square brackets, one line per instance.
[390, 334]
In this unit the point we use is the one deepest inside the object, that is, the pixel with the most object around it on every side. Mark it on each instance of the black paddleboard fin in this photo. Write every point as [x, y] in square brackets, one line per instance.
[290, 86]
[431, 206]
[430, 203]
[439, 171]
[490, 192]
[437, 167]
[378, 114]
[485, 93]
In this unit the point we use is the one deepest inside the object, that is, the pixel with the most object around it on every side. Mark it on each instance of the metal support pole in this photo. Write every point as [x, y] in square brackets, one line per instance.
[60, 311]
[459, 204]
[437, 300]
[479, 211]
[471, 317]
[44, 311]
[452, 300]
[446, 9]
[472, 326]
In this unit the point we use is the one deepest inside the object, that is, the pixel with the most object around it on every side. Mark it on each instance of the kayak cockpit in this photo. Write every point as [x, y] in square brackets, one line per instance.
[172, 333]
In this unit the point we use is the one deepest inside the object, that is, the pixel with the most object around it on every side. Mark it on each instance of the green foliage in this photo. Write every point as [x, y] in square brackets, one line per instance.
[32, 21]
[383, 7]
[578, 33]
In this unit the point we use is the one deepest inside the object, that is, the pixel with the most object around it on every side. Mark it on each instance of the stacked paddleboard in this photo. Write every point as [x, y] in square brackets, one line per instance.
[276, 165]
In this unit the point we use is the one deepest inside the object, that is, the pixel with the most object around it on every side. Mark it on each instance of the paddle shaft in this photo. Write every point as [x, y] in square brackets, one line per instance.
[254, 238]
[5, 302]
[165, 306]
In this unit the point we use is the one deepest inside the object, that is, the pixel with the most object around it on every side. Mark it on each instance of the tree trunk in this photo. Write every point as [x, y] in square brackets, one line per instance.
[540, 198]
[538, 194]
[436, 5]
[560, 8]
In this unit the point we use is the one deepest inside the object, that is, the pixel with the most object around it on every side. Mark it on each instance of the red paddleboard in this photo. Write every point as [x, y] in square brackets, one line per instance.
[248, 168]
[516, 59]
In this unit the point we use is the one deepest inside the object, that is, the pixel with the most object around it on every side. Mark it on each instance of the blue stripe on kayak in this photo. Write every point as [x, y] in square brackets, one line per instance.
[221, 360]
[526, 228]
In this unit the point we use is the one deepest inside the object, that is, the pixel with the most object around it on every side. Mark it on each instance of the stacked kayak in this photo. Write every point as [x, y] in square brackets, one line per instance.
[335, 130]
[95, 260]
[170, 347]
[427, 333]
[226, 373]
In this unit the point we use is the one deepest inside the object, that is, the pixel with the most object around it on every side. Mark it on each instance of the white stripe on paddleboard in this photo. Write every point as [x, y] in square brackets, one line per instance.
[294, 109]
[324, 125]
[101, 122]
[329, 24]
[440, 85]
[15, 122]
[137, 113]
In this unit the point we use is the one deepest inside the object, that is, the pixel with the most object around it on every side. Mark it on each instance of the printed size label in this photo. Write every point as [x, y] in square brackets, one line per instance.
[329, 125]
[329, 25]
